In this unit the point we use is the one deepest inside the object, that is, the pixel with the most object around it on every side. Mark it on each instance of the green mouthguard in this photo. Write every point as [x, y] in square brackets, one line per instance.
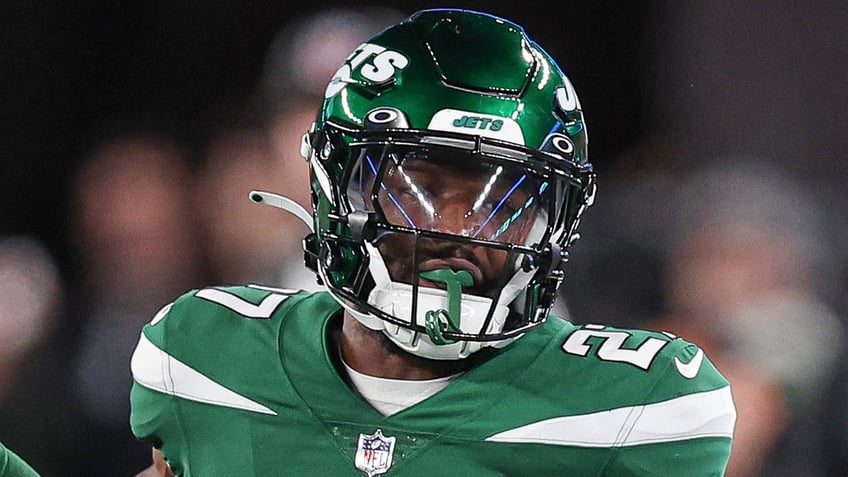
[441, 320]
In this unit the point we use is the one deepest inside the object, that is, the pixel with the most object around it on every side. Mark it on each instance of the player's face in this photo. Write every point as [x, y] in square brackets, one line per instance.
[460, 196]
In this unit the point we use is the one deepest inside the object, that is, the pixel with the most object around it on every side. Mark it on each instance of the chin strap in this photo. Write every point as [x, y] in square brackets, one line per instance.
[280, 202]
[436, 322]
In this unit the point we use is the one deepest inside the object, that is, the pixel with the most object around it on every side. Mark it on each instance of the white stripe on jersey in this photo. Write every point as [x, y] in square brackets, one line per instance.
[263, 310]
[704, 414]
[157, 370]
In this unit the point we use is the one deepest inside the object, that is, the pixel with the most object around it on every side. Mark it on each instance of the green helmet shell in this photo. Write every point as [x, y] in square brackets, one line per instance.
[450, 77]
[460, 60]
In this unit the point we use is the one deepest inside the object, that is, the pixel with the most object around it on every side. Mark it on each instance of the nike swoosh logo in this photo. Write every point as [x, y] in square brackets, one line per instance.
[690, 370]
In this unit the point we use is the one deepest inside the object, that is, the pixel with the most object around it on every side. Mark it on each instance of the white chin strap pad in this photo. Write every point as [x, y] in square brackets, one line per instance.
[395, 299]
[398, 302]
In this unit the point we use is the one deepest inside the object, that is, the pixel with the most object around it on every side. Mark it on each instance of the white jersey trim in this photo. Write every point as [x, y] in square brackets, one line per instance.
[237, 304]
[155, 369]
[390, 396]
[694, 416]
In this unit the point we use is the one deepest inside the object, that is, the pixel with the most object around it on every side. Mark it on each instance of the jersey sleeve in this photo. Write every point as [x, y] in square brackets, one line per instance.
[11, 465]
[153, 413]
[202, 361]
[685, 425]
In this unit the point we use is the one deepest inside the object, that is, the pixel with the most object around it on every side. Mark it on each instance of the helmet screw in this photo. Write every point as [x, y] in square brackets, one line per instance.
[527, 263]
[326, 150]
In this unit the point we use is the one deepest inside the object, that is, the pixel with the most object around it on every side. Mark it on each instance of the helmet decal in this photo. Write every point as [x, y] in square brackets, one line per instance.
[382, 116]
[470, 122]
[559, 144]
[374, 63]
[566, 97]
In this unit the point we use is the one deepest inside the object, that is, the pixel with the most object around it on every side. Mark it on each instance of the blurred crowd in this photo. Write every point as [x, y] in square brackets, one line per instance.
[737, 248]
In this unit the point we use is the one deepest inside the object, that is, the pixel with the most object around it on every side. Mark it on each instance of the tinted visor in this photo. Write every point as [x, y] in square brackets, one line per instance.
[453, 192]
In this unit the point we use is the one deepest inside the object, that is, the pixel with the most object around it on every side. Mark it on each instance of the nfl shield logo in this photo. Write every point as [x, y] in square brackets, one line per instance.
[374, 453]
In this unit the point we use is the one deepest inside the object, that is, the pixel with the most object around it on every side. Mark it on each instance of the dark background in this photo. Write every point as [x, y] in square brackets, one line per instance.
[71, 71]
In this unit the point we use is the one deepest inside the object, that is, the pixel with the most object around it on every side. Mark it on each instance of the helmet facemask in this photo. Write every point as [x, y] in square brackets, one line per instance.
[456, 239]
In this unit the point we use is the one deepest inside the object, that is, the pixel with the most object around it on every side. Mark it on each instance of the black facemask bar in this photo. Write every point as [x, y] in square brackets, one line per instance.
[575, 179]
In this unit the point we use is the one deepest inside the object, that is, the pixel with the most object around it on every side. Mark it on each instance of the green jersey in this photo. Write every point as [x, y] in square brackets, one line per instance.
[243, 381]
[13, 466]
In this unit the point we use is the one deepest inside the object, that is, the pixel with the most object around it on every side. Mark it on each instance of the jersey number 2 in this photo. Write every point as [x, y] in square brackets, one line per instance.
[612, 348]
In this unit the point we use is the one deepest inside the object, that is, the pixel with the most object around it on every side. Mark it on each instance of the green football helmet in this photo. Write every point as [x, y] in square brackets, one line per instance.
[449, 172]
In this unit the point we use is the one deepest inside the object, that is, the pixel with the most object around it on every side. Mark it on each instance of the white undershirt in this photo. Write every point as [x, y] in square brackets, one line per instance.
[390, 396]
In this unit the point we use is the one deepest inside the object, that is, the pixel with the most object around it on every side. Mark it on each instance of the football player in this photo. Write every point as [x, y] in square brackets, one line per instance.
[449, 173]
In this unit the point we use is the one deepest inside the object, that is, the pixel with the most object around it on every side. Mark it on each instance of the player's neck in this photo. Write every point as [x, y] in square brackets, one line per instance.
[371, 352]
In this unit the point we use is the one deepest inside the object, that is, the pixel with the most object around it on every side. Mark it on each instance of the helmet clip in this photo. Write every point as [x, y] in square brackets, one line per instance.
[361, 225]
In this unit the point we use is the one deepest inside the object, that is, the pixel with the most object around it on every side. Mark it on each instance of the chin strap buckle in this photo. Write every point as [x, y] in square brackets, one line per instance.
[436, 322]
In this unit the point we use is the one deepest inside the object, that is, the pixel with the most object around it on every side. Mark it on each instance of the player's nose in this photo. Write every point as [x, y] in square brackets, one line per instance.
[454, 219]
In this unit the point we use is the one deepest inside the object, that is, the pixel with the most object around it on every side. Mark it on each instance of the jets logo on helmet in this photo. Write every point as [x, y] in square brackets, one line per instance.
[374, 63]
[566, 96]
[470, 122]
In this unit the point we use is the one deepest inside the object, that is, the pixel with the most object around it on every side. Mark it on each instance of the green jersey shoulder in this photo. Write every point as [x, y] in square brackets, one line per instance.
[629, 387]
[244, 380]
[11, 465]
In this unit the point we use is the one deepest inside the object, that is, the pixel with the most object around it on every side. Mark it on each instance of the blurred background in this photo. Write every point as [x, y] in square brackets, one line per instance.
[131, 133]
